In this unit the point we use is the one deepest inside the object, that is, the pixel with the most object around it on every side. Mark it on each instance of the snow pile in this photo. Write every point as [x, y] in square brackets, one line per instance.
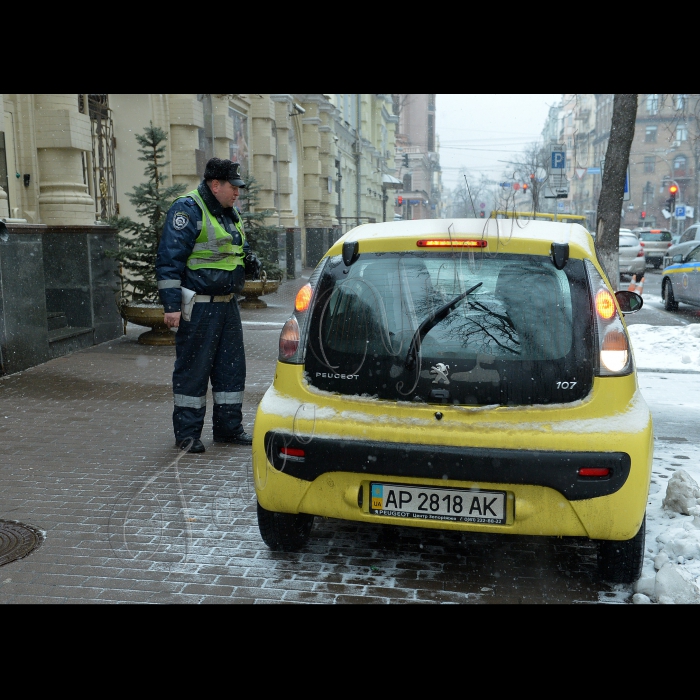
[677, 563]
[666, 347]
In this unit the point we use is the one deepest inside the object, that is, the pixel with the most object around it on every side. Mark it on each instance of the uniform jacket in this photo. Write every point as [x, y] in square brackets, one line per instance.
[177, 242]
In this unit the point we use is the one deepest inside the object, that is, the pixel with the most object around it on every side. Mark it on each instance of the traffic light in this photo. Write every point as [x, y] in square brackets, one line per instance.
[482, 215]
[405, 160]
[400, 198]
[525, 186]
[644, 215]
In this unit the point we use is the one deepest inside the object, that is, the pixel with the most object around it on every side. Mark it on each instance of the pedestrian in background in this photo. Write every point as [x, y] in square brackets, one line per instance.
[200, 269]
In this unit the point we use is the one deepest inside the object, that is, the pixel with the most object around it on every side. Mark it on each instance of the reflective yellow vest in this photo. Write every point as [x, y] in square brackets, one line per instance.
[214, 247]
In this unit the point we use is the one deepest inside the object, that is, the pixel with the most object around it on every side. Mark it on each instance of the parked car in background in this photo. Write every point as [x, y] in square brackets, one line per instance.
[418, 384]
[628, 230]
[632, 258]
[656, 242]
[692, 233]
[681, 275]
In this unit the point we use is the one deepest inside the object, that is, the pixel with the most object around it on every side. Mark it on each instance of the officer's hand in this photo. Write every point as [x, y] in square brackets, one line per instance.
[172, 319]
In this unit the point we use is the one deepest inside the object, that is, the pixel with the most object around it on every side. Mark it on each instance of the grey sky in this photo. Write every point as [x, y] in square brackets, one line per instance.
[478, 131]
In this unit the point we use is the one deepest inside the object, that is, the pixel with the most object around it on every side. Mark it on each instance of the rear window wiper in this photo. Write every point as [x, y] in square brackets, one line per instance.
[429, 323]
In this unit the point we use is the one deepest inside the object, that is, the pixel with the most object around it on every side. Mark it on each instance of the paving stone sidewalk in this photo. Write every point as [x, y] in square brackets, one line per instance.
[87, 456]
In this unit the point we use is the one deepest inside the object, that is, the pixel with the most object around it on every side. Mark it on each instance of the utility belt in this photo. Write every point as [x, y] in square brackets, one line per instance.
[206, 297]
[190, 298]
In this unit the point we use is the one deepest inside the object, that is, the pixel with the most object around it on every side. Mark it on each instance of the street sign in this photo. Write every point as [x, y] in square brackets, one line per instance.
[558, 159]
[482, 205]
[557, 184]
[626, 195]
[594, 171]
[680, 212]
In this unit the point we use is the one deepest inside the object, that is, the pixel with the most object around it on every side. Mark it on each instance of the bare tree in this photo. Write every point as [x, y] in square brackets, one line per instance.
[613, 186]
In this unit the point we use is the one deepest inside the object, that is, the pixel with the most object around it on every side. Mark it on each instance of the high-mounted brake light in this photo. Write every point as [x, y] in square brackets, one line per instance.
[289, 339]
[452, 243]
[594, 471]
[303, 299]
[604, 304]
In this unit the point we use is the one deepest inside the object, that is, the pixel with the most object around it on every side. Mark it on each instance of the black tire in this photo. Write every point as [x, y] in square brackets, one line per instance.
[284, 532]
[621, 561]
[670, 303]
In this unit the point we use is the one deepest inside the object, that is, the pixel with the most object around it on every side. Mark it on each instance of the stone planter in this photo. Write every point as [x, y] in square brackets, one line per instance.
[252, 289]
[151, 316]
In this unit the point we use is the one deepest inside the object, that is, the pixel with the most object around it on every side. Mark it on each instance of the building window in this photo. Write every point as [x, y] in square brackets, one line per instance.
[681, 134]
[680, 101]
[649, 164]
[650, 136]
[431, 132]
[407, 183]
[679, 166]
[652, 104]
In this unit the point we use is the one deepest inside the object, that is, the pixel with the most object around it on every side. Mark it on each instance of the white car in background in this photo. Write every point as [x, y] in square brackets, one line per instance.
[631, 255]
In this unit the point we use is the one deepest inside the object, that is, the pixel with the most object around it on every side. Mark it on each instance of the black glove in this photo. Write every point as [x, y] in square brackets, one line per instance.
[252, 266]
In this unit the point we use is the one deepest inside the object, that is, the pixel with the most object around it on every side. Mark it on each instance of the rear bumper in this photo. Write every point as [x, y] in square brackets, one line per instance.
[532, 454]
[555, 470]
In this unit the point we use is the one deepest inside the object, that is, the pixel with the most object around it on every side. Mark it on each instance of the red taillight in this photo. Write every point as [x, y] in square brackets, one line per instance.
[604, 304]
[289, 339]
[292, 452]
[640, 254]
[452, 243]
[641, 243]
[594, 471]
[303, 299]
[670, 244]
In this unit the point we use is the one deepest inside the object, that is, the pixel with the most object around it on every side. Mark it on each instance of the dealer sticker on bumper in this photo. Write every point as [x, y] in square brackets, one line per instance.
[427, 503]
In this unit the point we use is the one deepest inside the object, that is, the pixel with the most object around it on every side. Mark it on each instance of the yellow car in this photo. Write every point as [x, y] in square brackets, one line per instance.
[462, 375]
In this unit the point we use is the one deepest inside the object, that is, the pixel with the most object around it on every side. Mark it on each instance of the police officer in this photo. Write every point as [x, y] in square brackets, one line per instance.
[202, 250]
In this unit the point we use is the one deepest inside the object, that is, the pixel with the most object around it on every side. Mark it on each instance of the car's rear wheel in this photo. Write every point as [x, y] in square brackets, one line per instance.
[284, 532]
[621, 561]
[670, 303]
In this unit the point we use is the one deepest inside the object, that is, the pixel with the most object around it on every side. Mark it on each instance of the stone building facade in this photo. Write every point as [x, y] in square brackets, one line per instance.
[665, 149]
[324, 163]
[417, 158]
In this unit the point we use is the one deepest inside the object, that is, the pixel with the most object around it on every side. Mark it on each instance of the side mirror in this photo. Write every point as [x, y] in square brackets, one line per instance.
[630, 302]
[677, 259]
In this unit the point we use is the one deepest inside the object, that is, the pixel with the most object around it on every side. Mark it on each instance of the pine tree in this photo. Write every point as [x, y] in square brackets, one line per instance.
[261, 237]
[139, 240]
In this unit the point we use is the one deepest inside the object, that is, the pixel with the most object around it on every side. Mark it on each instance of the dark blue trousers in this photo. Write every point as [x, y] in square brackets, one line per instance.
[209, 348]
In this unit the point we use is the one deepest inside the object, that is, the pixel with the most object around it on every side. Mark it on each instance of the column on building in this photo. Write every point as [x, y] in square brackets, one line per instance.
[160, 109]
[186, 117]
[327, 160]
[262, 111]
[222, 126]
[62, 134]
[283, 122]
[4, 206]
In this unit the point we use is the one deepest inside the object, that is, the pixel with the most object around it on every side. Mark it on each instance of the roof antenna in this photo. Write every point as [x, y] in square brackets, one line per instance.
[470, 194]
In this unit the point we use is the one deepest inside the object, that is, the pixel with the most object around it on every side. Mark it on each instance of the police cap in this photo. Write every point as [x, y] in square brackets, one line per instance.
[221, 169]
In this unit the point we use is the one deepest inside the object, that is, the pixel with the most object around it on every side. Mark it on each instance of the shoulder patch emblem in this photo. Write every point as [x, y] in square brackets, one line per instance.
[180, 220]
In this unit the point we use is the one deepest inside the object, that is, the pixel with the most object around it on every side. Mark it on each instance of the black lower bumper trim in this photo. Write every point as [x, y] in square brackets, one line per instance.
[556, 470]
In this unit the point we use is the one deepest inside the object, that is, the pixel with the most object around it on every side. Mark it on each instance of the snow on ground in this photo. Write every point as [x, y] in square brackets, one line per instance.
[666, 347]
[671, 572]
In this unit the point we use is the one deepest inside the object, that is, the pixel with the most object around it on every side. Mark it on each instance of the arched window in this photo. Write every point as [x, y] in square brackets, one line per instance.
[679, 166]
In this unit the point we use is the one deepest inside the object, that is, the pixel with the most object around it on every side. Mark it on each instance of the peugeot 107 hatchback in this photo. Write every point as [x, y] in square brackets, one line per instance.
[465, 375]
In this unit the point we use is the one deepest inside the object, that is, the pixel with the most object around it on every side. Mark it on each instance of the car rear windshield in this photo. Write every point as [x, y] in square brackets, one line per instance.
[655, 235]
[393, 326]
[629, 241]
